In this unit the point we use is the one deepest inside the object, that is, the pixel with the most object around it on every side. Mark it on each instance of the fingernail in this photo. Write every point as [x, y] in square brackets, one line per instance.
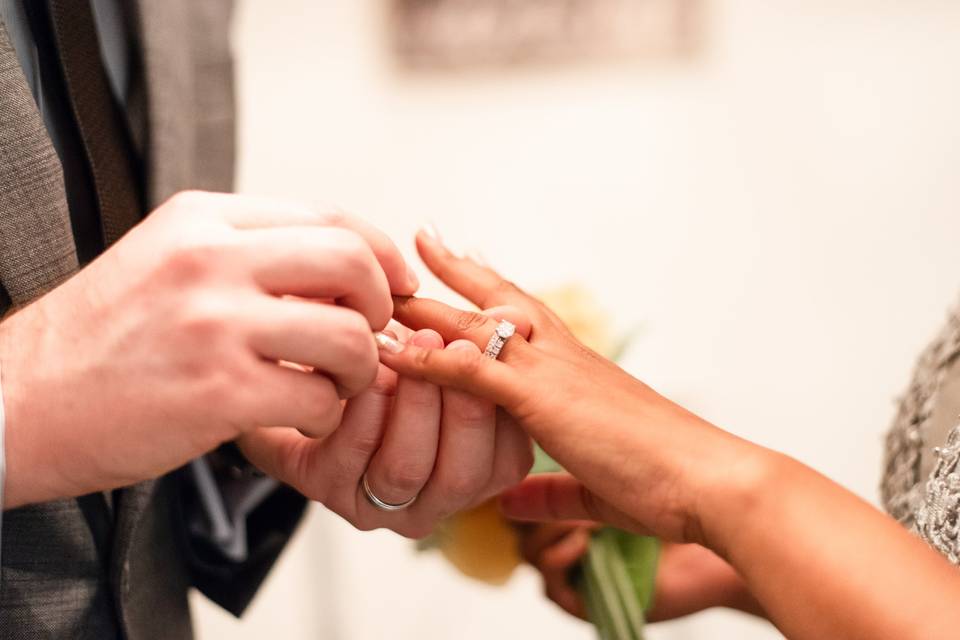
[477, 257]
[430, 230]
[412, 278]
[388, 343]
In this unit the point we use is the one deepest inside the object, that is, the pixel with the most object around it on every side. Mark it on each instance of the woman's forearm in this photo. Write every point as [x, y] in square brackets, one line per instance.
[822, 562]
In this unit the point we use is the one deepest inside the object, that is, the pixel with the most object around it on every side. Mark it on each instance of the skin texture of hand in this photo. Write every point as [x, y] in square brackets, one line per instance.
[690, 578]
[168, 344]
[820, 562]
[448, 448]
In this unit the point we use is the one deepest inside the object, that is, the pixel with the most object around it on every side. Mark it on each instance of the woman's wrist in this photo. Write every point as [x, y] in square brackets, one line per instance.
[733, 495]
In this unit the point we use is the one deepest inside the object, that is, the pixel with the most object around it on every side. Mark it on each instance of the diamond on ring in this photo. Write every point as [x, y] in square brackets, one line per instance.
[503, 332]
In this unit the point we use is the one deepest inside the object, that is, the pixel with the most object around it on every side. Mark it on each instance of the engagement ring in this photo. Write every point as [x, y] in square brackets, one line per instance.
[499, 338]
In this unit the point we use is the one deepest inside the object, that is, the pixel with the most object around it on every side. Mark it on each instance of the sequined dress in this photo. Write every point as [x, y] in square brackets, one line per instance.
[921, 480]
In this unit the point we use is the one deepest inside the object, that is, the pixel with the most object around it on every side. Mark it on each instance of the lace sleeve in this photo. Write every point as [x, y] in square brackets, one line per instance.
[936, 519]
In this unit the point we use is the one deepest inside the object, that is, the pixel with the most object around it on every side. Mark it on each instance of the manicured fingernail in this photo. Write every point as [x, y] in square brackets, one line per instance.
[430, 230]
[477, 257]
[388, 343]
[412, 278]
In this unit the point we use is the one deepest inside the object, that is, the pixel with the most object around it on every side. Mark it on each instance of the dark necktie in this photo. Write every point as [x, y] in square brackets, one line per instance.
[99, 119]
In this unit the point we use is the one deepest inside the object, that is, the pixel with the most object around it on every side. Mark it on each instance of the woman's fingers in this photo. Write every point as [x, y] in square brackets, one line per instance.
[460, 369]
[318, 262]
[514, 316]
[455, 324]
[559, 496]
[479, 284]
[402, 466]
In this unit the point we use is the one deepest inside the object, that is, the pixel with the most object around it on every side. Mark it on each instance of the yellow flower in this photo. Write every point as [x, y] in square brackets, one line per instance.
[481, 544]
[580, 312]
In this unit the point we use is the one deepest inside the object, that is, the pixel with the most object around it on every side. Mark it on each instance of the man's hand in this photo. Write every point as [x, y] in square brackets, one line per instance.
[448, 449]
[168, 344]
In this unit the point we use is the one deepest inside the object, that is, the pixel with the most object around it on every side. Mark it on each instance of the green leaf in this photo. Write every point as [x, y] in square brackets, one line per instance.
[543, 463]
[618, 581]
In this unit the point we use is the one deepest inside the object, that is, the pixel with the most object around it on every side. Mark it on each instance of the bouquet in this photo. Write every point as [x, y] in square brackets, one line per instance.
[616, 576]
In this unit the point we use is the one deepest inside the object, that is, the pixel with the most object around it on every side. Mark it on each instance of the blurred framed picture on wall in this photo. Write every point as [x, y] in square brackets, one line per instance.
[498, 33]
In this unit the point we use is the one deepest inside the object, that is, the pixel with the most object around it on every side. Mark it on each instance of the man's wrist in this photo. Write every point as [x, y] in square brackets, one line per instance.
[28, 479]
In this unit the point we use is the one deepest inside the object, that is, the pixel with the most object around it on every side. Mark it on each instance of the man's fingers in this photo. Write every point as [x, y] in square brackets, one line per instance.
[465, 458]
[514, 455]
[405, 460]
[259, 213]
[334, 340]
[346, 454]
[279, 452]
[320, 263]
[291, 398]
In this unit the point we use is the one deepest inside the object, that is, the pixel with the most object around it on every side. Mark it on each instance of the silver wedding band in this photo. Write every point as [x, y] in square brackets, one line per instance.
[501, 334]
[380, 504]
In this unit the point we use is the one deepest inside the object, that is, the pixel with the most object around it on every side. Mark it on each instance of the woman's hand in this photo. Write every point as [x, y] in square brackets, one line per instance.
[644, 461]
[690, 578]
[555, 550]
[821, 562]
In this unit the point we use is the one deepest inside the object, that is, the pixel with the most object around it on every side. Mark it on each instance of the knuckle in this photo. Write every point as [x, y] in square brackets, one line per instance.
[217, 393]
[335, 218]
[466, 321]
[321, 413]
[354, 339]
[187, 200]
[423, 358]
[190, 265]
[405, 477]
[504, 290]
[362, 446]
[468, 364]
[472, 414]
[461, 489]
[507, 286]
[353, 252]
[205, 320]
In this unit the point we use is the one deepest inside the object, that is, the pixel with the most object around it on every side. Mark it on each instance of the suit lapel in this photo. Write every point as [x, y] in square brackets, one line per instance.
[37, 249]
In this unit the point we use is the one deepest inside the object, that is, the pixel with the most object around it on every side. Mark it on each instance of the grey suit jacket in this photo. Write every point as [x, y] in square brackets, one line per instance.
[60, 578]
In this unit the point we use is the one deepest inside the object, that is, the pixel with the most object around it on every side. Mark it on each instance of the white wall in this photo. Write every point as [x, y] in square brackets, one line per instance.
[779, 215]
